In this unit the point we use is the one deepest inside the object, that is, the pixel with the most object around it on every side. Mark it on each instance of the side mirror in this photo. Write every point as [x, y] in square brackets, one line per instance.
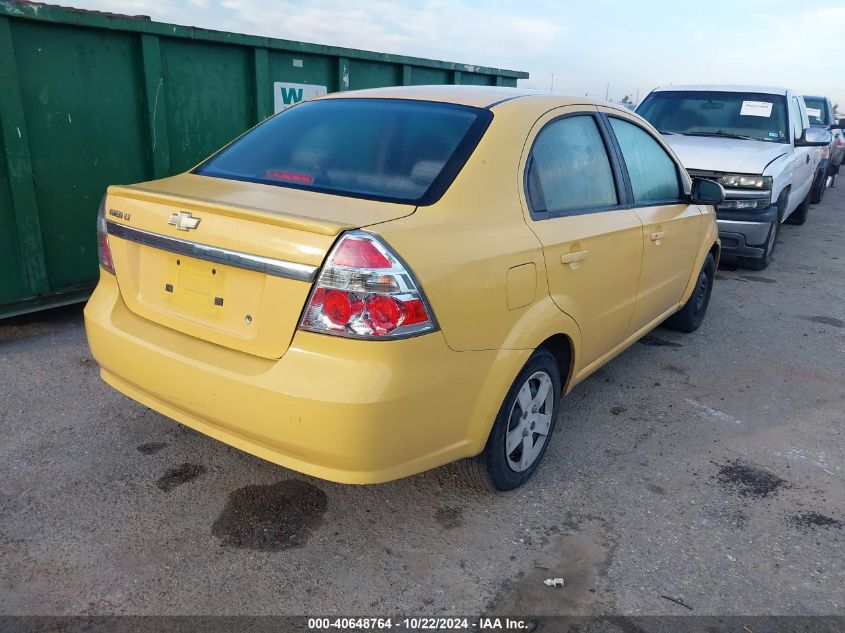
[706, 192]
[840, 125]
[814, 137]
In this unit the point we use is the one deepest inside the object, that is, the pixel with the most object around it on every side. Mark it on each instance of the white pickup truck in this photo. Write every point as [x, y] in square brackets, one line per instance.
[757, 143]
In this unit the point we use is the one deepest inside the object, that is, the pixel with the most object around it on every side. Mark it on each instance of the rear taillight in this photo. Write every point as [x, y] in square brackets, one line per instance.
[365, 291]
[103, 249]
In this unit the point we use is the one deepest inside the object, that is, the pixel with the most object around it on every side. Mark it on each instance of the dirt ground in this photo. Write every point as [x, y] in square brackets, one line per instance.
[695, 474]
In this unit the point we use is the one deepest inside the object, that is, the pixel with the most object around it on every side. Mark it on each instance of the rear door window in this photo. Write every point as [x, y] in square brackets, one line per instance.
[569, 170]
[652, 172]
[383, 149]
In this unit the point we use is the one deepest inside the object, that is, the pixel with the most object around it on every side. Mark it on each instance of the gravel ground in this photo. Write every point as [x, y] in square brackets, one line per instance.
[695, 474]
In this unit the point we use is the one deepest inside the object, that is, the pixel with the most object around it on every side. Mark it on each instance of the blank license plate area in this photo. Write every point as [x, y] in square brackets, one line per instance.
[215, 295]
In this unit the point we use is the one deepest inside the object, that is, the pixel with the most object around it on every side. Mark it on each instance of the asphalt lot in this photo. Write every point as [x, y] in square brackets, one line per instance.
[702, 469]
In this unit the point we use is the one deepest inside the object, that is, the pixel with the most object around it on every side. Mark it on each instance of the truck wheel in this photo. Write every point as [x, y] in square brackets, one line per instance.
[817, 190]
[521, 432]
[688, 318]
[799, 216]
[759, 263]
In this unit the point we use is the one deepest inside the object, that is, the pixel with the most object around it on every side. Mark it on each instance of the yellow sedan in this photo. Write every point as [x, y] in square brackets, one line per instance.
[376, 283]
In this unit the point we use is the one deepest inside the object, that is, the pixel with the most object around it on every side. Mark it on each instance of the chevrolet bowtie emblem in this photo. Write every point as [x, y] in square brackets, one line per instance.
[184, 221]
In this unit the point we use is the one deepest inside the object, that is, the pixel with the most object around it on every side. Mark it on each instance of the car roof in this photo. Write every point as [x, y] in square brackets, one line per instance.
[476, 96]
[724, 88]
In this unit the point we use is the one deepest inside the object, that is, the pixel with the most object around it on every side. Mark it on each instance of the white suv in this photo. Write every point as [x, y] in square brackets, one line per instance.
[757, 143]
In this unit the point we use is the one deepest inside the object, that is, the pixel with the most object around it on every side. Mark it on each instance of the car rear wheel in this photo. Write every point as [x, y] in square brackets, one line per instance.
[523, 427]
[690, 317]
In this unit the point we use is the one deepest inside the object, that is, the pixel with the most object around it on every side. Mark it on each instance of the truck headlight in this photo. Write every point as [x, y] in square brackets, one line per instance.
[744, 181]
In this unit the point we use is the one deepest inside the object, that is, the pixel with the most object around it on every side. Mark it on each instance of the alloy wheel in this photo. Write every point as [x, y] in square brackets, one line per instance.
[529, 422]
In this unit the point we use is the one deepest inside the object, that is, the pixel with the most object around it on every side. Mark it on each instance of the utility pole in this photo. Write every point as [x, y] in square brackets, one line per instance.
[607, 93]
[552, 87]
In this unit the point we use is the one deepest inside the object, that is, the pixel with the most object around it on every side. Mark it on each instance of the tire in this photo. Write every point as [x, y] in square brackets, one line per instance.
[799, 216]
[760, 263]
[817, 190]
[505, 469]
[689, 318]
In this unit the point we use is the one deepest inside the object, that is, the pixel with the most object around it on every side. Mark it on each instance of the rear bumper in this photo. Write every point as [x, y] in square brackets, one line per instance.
[744, 233]
[339, 409]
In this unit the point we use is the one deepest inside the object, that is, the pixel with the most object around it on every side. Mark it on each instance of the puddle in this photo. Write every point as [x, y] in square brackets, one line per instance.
[748, 480]
[826, 320]
[151, 448]
[581, 558]
[727, 278]
[449, 518]
[271, 518]
[179, 475]
[813, 520]
[759, 280]
[656, 341]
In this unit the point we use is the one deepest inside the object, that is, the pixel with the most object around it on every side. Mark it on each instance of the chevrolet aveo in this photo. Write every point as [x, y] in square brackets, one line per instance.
[373, 284]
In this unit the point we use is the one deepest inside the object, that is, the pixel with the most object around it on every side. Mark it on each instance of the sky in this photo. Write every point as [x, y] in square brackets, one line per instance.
[598, 48]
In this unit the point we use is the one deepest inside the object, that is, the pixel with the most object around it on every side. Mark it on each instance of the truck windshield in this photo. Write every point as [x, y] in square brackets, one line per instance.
[745, 115]
[395, 150]
[817, 111]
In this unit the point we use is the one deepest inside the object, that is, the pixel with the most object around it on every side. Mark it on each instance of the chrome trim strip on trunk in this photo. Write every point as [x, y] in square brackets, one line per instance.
[237, 259]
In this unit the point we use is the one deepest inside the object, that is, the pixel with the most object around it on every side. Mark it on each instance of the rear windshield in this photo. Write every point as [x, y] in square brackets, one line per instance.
[817, 111]
[382, 149]
[745, 115]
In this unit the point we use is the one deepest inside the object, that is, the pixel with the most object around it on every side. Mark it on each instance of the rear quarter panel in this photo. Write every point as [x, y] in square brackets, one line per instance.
[462, 247]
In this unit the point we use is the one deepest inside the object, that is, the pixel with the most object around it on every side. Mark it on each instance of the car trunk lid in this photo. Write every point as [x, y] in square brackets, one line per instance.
[227, 261]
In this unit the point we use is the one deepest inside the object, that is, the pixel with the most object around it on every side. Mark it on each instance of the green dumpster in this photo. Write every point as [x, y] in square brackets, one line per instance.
[88, 99]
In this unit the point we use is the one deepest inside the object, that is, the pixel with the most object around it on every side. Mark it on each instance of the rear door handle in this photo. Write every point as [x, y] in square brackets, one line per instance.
[574, 259]
[658, 236]
[808, 159]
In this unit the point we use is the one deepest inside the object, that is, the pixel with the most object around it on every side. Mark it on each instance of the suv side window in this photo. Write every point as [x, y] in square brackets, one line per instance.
[569, 170]
[652, 172]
